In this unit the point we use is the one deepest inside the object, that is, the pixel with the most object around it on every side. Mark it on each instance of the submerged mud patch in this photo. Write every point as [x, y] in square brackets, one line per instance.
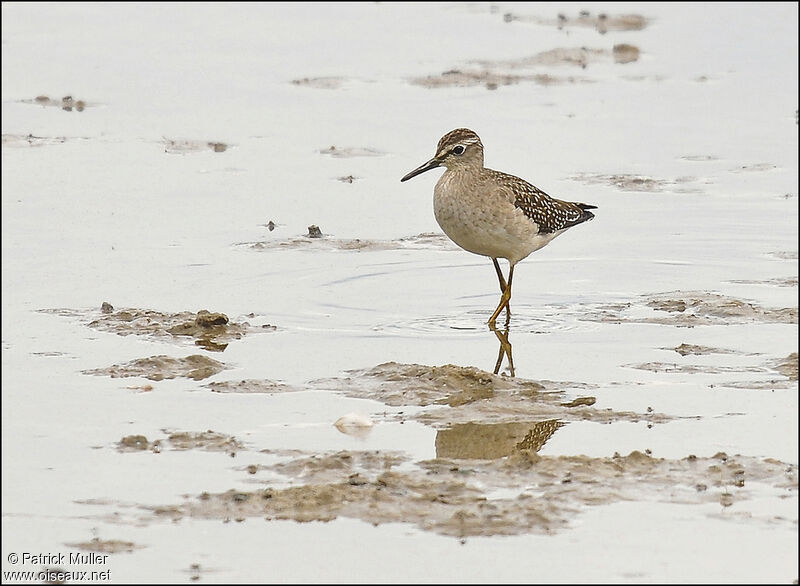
[250, 386]
[524, 493]
[428, 240]
[777, 282]
[328, 467]
[601, 22]
[689, 309]
[183, 146]
[350, 152]
[325, 83]
[495, 73]
[711, 307]
[209, 441]
[210, 330]
[134, 443]
[67, 103]
[786, 367]
[195, 367]
[106, 545]
[754, 167]
[686, 349]
[785, 254]
[639, 182]
[29, 140]
[569, 56]
[491, 79]
[674, 367]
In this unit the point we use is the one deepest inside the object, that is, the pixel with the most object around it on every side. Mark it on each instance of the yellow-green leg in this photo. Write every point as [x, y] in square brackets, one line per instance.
[506, 297]
[500, 276]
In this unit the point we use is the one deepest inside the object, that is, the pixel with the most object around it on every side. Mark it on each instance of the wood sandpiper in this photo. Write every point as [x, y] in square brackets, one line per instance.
[492, 213]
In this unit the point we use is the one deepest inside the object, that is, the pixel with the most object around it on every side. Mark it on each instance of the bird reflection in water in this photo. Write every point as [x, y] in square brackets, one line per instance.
[489, 441]
[505, 349]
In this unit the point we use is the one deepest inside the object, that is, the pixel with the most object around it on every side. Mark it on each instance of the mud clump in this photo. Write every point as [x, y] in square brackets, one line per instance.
[314, 231]
[133, 443]
[207, 328]
[210, 330]
[156, 368]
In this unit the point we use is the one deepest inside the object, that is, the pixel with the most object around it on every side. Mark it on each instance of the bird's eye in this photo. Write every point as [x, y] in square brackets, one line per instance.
[458, 150]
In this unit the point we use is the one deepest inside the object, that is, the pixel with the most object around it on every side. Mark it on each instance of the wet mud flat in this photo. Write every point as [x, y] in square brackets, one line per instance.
[487, 478]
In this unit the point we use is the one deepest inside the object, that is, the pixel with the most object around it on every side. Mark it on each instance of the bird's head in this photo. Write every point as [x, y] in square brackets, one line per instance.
[459, 148]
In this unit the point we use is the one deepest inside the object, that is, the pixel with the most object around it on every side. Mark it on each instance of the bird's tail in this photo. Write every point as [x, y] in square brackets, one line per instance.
[586, 215]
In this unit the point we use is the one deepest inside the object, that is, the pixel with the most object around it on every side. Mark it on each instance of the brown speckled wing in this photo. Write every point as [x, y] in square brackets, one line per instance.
[550, 214]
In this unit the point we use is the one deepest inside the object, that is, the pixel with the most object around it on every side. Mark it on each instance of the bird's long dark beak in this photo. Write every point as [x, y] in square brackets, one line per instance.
[432, 164]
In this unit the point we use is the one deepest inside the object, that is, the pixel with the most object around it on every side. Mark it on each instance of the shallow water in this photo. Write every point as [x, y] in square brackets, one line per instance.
[658, 340]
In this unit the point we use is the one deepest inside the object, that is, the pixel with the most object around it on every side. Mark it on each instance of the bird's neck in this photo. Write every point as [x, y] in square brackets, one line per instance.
[458, 178]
